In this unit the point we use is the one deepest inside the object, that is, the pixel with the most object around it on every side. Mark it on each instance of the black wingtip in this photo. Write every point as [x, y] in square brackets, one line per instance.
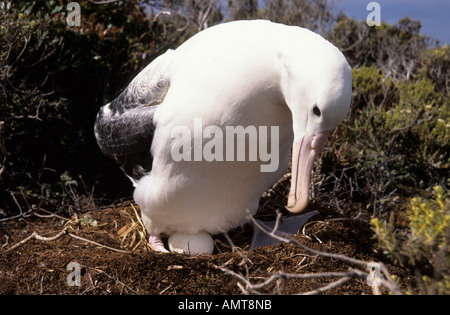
[127, 139]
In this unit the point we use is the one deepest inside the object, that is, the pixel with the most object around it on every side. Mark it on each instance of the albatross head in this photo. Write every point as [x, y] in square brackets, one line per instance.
[318, 95]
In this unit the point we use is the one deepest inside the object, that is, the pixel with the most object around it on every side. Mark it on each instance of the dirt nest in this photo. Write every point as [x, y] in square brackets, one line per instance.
[108, 249]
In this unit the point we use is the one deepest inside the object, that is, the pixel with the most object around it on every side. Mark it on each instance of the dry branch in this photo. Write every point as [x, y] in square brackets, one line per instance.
[327, 287]
[251, 288]
[38, 237]
[98, 244]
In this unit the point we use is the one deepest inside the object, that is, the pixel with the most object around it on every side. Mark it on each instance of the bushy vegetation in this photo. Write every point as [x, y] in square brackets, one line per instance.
[399, 135]
[54, 77]
[424, 244]
[396, 138]
[393, 146]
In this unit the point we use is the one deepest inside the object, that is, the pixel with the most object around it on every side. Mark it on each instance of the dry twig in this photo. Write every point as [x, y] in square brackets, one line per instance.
[251, 288]
[64, 231]
[38, 237]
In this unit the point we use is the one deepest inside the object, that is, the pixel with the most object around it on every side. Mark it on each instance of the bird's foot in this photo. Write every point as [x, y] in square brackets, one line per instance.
[157, 244]
[286, 228]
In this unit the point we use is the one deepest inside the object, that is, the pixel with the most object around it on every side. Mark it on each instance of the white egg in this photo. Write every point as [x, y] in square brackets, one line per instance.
[191, 244]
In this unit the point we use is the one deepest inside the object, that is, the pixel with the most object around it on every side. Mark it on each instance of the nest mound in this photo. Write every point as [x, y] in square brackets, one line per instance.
[40, 252]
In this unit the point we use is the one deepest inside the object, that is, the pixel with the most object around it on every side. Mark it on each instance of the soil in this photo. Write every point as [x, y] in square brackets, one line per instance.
[121, 262]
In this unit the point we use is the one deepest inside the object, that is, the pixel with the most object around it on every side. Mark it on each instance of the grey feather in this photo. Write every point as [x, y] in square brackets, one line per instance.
[127, 139]
[124, 128]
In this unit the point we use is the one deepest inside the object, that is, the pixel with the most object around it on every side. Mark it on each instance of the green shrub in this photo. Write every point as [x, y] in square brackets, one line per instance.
[54, 78]
[371, 90]
[424, 245]
[410, 132]
[395, 140]
[395, 49]
[436, 67]
[371, 150]
[426, 115]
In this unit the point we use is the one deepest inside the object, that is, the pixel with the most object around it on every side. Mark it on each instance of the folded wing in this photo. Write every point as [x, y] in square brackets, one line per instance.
[124, 128]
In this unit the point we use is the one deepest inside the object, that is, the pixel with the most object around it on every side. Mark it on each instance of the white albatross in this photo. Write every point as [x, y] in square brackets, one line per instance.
[244, 73]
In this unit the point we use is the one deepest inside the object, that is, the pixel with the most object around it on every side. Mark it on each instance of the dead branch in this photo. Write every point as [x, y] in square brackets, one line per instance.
[327, 287]
[21, 214]
[98, 244]
[306, 248]
[38, 237]
[250, 288]
[16, 216]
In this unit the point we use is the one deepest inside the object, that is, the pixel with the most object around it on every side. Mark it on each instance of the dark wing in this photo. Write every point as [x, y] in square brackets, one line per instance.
[124, 128]
[127, 139]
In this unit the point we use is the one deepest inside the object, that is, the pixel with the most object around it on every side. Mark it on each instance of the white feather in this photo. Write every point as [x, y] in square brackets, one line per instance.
[246, 73]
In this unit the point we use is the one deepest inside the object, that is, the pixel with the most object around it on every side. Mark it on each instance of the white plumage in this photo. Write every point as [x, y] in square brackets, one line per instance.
[246, 73]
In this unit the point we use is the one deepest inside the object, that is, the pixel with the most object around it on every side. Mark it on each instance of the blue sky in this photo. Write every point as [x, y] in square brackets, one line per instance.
[433, 14]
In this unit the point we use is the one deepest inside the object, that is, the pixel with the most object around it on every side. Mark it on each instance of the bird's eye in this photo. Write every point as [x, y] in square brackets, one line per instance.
[316, 111]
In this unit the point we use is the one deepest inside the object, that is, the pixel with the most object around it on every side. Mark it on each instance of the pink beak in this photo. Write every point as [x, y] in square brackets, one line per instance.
[304, 152]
